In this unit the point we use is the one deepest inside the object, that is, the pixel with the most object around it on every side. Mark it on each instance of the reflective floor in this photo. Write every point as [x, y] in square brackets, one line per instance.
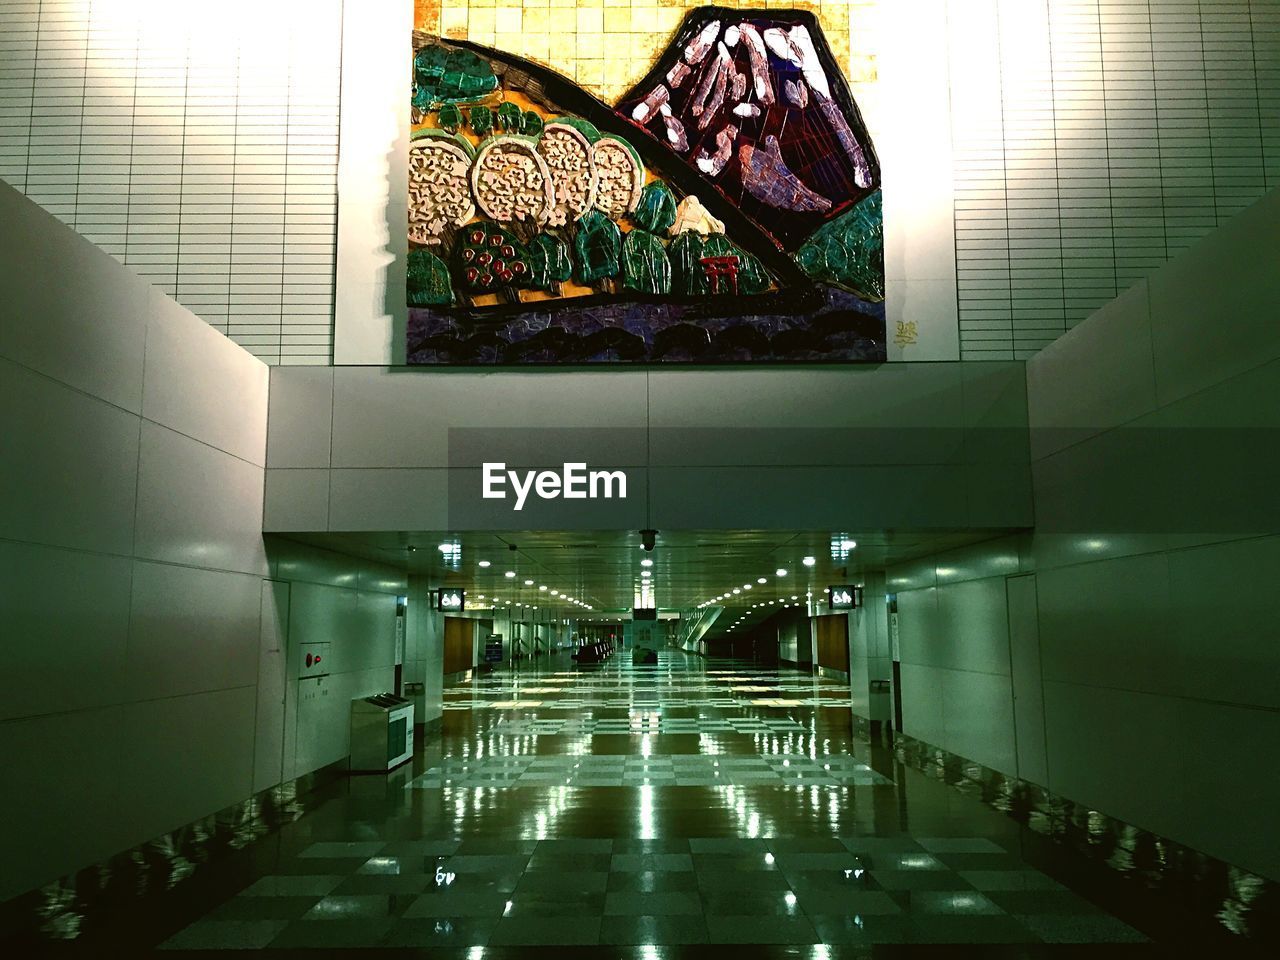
[690, 803]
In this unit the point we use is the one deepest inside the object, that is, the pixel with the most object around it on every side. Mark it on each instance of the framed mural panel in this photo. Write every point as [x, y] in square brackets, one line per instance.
[725, 207]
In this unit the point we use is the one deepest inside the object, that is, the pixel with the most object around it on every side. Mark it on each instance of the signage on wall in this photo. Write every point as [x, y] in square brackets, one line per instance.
[449, 599]
[845, 596]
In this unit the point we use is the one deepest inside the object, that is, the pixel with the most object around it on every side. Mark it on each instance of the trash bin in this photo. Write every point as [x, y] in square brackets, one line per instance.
[381, 733]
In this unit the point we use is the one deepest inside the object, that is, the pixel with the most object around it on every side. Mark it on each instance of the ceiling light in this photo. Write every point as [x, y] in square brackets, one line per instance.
[510, 574]
[808, 561]
[736, 590]
[746, 586]
[646, 562]
[762, 579]
[848, 544]
[542, 586]
[484, 563]
[780, 572]
[528, 583]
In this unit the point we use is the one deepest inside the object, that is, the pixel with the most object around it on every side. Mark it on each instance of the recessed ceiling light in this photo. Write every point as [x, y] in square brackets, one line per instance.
[510, 574]
[780, 572]
[484, 563]
[542, 586]
[760, 579]
[736, 590]
[528, 583]
[808, 561]
[646, 562]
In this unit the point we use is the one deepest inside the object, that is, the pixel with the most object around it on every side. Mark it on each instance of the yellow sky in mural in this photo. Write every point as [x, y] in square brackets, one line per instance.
[607, 45]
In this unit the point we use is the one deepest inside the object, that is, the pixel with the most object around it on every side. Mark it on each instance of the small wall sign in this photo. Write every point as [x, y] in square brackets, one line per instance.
[449, 599]
[845, 596]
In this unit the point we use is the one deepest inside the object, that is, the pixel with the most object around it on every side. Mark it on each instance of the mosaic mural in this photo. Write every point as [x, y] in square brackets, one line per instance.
[725, 209]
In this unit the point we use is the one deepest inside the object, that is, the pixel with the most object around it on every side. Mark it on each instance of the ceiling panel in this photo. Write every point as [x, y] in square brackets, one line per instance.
[603, 568]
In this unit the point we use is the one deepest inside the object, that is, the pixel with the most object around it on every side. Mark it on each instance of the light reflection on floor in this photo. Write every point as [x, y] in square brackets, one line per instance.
[652, 807]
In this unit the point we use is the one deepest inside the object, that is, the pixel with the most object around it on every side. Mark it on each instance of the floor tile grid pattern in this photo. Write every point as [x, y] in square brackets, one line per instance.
[784, 866]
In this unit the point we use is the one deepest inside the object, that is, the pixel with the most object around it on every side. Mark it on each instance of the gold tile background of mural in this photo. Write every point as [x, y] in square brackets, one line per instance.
[607, 45]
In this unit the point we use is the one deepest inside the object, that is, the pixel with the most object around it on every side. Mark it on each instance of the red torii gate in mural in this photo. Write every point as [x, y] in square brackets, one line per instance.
[716, 268]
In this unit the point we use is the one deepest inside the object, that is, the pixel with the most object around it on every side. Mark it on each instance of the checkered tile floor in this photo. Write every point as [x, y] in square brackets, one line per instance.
[529, 699]
[641, 722]
[872, 890]
[750, 814]
[678, 770]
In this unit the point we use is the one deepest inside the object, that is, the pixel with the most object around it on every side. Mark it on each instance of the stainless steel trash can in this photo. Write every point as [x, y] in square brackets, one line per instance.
[381, 733]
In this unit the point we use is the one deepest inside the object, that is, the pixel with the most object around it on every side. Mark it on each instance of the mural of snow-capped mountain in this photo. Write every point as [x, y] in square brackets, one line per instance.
[755, 100]
[726, 210]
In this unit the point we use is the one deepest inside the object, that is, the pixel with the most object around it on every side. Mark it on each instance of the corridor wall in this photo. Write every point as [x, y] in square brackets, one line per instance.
[149, 670]
[1130, 668]
[424, 653]
[870, 659]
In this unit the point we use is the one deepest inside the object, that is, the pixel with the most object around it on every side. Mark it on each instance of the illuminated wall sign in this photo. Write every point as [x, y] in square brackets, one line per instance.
[448, 599]
[573, 482]
[844, 597]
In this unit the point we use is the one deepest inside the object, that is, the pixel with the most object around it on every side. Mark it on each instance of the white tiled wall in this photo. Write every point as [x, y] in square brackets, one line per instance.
[196, 143]
[1093, 141]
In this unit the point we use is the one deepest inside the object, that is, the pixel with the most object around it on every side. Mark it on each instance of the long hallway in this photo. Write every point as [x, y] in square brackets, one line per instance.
[692, 802]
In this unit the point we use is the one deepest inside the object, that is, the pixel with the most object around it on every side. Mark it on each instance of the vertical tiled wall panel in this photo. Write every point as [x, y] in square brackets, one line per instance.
[19, 31]
[1031, 159]
[982, 225]
[198, 146]
[1124, 129]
